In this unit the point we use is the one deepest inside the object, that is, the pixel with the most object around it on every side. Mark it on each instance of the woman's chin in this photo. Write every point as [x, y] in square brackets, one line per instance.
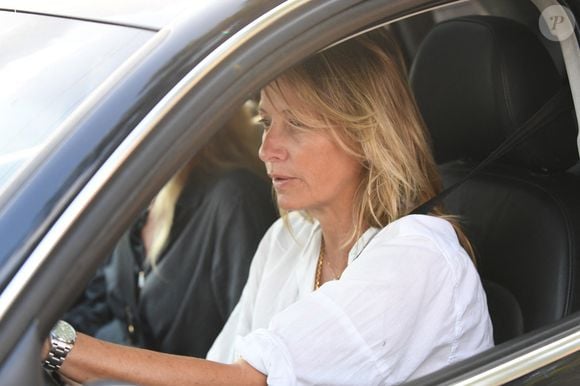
[287, 205]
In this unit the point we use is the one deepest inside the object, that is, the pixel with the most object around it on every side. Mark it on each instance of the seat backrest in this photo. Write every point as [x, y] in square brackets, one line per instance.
[477, 79]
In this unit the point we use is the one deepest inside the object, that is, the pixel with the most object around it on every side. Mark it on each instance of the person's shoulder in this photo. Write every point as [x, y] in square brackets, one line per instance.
[430, 239]
[239, 181]
[416, 245]
[229, 189]
[435, 229]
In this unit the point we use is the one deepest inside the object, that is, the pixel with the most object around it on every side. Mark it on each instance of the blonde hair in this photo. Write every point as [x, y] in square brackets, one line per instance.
[234, 146]
[358, 91]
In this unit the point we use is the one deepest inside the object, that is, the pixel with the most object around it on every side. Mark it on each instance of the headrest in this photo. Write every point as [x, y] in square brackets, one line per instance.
[477, 79]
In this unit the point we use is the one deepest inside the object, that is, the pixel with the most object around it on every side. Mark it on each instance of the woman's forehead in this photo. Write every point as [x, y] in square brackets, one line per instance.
[279, 98]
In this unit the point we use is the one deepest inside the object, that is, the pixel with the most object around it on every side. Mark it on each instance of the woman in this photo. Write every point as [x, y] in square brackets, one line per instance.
[346, 288]
[188, 254]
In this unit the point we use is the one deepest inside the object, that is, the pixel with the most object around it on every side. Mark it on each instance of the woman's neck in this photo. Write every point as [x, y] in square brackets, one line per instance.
[337, 225]
[337, 237]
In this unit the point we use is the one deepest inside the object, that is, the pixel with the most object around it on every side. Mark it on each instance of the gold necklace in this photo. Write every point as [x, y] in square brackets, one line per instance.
[320, 265]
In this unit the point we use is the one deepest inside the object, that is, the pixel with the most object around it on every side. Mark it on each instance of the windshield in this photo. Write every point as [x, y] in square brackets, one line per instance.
[48, 66]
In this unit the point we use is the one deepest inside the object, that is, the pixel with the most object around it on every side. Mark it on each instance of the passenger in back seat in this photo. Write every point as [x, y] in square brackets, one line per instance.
[175, 276]
[347, 288]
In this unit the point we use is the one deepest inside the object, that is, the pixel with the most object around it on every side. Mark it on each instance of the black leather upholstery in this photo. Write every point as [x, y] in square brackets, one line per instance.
[476, 79]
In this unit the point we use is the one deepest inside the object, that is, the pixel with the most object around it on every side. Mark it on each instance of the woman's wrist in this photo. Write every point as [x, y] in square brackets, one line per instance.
[57, 346]
[45, 349]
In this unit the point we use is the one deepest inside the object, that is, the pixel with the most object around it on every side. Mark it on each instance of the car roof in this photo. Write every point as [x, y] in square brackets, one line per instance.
[150, 14]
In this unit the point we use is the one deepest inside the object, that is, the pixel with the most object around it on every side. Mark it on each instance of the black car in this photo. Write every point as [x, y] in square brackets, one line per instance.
[101, 103]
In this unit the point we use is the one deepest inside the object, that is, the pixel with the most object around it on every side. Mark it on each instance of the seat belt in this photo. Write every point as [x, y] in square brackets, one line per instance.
[557, 104]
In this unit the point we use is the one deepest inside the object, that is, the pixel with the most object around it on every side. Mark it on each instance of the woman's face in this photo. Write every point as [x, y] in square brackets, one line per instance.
[309, 170]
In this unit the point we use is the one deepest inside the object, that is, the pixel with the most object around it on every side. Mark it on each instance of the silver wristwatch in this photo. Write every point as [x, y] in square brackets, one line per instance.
[62, 338]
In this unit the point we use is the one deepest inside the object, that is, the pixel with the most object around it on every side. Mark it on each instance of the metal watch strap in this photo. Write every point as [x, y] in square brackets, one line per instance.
[57, 354]
[62, 338]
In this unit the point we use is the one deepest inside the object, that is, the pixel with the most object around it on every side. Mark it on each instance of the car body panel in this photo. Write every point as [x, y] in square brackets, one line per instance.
[150, 14]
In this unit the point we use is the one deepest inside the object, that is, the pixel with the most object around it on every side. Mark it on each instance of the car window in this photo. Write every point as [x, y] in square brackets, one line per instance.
[75, 58]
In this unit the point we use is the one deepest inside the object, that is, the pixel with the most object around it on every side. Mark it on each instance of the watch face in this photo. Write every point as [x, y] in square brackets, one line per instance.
[64, 332]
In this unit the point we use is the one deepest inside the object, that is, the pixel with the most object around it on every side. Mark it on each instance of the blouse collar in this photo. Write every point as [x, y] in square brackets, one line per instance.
[361, 243]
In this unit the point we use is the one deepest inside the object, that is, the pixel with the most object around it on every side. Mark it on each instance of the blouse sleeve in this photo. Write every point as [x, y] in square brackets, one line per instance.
[400, 305]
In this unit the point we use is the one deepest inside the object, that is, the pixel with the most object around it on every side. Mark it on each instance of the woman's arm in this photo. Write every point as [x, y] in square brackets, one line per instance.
[92, 359]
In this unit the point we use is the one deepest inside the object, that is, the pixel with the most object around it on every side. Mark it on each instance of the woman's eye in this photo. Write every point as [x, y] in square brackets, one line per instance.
[265, 123]
[296, 123]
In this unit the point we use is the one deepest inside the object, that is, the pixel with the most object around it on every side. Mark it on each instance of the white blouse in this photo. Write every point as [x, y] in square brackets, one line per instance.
[409, 302]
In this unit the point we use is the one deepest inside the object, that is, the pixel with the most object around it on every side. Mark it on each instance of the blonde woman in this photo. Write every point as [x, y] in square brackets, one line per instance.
[347, 288]
[176, 275]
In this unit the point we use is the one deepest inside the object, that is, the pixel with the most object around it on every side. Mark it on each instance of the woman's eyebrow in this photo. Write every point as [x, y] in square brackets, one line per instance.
[285, 112]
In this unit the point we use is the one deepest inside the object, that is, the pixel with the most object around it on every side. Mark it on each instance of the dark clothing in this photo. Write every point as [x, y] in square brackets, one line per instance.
[187, 297]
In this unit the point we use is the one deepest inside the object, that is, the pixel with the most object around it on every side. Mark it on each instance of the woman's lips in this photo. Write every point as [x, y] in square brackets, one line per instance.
[280, 181]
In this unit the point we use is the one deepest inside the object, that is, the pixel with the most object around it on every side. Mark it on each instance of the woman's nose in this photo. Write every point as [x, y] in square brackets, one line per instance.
[272, 147]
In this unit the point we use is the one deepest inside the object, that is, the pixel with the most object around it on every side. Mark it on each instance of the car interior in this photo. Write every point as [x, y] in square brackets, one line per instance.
[471, 104]
[478, 73]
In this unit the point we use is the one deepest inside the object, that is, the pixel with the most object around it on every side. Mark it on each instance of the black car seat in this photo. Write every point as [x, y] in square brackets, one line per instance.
[477, 79]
